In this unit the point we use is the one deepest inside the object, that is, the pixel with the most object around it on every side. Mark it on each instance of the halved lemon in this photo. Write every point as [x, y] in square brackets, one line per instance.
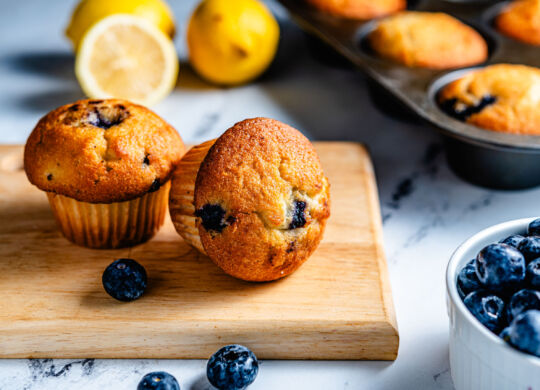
[125, 56]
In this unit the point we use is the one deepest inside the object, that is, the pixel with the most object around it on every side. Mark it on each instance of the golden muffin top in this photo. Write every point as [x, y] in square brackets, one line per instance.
[500, 97]
[101, 151]
[261, 199]
[359, 9]
[428, 40]
[521, 20]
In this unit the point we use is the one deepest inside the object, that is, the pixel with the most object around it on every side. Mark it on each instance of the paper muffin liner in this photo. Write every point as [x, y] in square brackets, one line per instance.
[181, 200]
[111, 225]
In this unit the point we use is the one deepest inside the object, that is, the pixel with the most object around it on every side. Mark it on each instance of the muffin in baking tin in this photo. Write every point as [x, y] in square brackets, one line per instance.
[359, 9]
[255, 200]
[502, 97]
[427, 40]
[521, 20]
[105, 165]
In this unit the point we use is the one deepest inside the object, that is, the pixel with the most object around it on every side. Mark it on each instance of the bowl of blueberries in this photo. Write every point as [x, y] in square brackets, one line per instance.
[493, 299]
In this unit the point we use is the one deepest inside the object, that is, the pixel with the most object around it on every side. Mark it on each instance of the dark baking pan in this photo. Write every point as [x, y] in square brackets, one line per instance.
[484, 157]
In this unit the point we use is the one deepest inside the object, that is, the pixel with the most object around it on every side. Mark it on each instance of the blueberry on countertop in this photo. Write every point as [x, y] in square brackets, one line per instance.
[534, 228]
[487, 308]
[500, 267]
[513, 240]
[522, 301]
[467, 280]
[530, 247]
[233, 367]
[158, 380]
[124, 279]
[533, 274]
[525, 332]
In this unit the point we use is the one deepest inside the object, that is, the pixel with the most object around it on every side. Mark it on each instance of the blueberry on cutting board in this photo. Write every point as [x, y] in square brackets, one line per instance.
[233, 367]
[125, 280]
[158, 380]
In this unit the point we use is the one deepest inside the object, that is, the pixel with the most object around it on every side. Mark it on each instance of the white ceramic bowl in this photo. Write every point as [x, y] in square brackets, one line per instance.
[479, 360]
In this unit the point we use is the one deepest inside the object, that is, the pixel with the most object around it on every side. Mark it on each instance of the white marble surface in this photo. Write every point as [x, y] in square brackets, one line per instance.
[427, 210]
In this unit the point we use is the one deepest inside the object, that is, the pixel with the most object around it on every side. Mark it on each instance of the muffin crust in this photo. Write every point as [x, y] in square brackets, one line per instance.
[428, 40]
[261, 200]
[101, 151]
[521, 20]
[359, 9]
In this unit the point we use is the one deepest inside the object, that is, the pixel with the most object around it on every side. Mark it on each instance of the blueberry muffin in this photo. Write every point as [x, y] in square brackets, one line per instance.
[255, 200]
[427, 40]
[500, 97]
[521, 20]
[105, 166]
[359, 9]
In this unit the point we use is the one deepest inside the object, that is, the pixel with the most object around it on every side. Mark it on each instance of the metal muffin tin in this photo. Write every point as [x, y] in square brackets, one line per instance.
[484, 157]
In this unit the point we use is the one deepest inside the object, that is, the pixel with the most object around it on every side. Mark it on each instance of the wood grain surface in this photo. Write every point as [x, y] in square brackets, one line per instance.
[338, 305]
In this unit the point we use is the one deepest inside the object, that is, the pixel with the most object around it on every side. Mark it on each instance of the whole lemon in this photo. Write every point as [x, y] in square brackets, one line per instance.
[88, 12]
[231, 41]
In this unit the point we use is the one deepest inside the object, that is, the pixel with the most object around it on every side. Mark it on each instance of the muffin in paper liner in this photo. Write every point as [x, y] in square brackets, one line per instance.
[255, 200]
[181, 206]
[110, 225]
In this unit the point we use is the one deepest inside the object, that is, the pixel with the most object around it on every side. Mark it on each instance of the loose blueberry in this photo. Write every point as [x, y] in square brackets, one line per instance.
[522, 301]
[158, 380]
[467, 281]
[487, 308]
[212, 217]
[124, 279]
[533, 274]
[505, 334]
[525, 332]
[233, 367]
[461, 111]
[530, 247]
[299, 218]
[500, 267]
[513, 240]
[534, 228]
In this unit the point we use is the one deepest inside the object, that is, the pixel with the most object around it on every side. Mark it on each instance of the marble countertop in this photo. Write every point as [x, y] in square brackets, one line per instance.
[427, 211]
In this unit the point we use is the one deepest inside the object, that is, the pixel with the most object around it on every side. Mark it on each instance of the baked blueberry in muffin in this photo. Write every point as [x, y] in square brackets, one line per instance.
[499, 97]
[428, 40]
[521, 20]
[255, 200]
[359, 9]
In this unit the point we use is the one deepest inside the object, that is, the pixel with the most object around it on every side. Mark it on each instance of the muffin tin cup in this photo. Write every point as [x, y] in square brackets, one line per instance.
[483, 157]
[479, 359]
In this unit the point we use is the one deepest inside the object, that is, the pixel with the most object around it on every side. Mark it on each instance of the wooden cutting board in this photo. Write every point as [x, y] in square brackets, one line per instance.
[338, 305]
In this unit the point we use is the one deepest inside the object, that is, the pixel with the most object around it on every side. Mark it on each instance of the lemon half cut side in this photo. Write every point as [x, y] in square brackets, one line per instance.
[125, 56]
